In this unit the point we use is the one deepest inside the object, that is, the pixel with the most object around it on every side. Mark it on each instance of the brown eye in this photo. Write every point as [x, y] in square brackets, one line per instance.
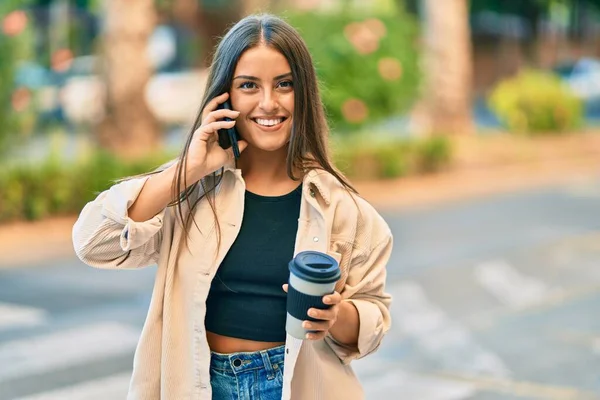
[286, 84]
[248, 85]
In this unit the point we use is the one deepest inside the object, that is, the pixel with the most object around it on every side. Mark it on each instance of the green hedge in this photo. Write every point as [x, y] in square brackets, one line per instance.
[35, 191]
[53, 187]
[365, 159]
[536, 102]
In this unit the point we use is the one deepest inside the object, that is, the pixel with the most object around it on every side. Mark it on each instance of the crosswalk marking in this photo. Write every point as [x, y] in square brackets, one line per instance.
[596, 346]
[112, 387]
[381, 376]
[524, 389]
[583, 188]
[16, 316]
[509, 286]
[450, 343]
[406, 385]
[65, 348]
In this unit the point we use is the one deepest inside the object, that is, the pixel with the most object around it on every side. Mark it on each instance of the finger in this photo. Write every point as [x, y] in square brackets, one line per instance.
[324, 315]
[214, 104]
[334, 298]
[316, 335]
[317, 326]
[285, 285]
[207, 130]
[220, 114]
[241, 146]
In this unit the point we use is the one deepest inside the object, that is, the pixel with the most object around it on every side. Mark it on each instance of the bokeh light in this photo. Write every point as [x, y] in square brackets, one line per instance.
[363, 38]
[390, 68]
[14, 23]
[355, 110]
[62, 60]
[376, 26]
[20, 100]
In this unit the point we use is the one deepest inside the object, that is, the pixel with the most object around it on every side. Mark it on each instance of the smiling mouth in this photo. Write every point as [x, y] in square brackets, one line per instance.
[269, 122]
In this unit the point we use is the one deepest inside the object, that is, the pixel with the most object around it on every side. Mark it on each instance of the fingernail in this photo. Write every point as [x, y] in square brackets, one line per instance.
[308, 336]
[326, 300]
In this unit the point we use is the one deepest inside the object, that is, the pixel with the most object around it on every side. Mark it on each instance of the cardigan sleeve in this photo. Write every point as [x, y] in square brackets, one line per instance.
[105, 237]
[366, 291]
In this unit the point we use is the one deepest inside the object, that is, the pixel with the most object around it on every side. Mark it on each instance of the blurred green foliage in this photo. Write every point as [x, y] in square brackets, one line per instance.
[55, 187]
[432, 154]
[368, 159]
[16, 45]
[369, 60]
[536, 102]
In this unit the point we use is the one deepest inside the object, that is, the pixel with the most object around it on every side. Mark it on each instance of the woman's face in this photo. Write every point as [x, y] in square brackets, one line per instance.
[262, 91]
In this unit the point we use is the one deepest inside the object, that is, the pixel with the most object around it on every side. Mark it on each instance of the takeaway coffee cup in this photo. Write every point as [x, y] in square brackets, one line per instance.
[312, 275]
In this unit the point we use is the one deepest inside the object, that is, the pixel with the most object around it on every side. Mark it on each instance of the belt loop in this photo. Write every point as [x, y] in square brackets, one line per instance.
[267, 364]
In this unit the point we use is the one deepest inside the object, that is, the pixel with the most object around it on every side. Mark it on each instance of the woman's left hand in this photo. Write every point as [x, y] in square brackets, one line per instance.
[327, 317]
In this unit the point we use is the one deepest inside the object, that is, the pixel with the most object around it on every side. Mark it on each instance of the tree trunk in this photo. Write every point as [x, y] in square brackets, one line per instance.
[187, 12]
[446, 106]
[129, 128]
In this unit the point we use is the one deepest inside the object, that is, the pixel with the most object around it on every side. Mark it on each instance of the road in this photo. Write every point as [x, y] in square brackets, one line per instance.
[494, 298]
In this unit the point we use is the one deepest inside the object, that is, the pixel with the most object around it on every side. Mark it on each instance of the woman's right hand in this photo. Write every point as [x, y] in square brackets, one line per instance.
[205, 155]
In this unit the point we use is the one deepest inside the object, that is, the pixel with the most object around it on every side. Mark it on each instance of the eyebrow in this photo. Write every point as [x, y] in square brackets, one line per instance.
[253, 78]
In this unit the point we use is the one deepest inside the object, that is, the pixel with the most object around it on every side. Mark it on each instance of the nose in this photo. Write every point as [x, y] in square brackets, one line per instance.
[268, 102]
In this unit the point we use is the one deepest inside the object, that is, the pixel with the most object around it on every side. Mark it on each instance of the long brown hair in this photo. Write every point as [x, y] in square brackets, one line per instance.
[308, 147]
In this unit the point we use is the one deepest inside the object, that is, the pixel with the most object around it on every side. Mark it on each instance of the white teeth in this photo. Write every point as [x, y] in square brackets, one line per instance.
[269, 122]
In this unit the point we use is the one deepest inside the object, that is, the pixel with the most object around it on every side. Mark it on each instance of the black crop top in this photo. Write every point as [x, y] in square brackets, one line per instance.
[246, 299]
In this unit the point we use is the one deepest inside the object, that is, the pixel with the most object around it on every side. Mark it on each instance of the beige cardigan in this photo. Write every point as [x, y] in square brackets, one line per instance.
[172, 357]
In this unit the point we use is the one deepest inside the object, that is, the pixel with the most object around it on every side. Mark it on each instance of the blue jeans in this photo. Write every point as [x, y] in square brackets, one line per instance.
[247, 376]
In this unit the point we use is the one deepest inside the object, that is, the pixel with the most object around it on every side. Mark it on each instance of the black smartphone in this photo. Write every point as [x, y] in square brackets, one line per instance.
[229, 137]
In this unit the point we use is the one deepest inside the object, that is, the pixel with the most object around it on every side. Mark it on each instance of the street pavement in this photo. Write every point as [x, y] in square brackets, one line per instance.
[494, 298]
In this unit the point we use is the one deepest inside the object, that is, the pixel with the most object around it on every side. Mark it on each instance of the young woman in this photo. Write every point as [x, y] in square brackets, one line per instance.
[222, 231]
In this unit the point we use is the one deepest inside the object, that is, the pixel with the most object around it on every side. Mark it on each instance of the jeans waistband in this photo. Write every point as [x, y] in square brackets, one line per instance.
[236, 363]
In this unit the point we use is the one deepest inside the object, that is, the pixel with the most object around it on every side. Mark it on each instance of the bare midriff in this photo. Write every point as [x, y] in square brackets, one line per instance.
[226, 344]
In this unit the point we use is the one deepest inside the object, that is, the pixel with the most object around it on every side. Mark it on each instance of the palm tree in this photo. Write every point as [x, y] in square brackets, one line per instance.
[207, 20]
[448, 68]
[129, 127]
